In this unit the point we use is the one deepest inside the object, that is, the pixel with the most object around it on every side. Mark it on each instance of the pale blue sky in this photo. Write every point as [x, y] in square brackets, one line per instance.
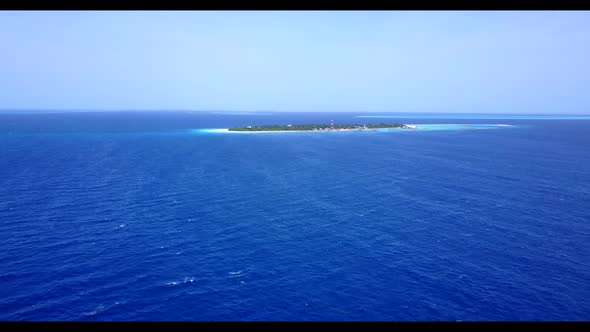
[407, 61]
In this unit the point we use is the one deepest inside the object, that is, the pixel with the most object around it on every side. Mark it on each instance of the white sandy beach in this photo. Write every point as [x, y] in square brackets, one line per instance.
[411, 127]
[226, 130]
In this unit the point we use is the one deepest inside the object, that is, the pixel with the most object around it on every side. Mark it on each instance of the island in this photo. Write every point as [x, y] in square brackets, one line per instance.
[323, 127]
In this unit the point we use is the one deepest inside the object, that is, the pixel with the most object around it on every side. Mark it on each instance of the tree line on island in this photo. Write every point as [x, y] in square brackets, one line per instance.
[321, 127]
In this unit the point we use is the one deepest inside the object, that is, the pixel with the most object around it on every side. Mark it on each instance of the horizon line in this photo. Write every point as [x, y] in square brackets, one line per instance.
[5, 110]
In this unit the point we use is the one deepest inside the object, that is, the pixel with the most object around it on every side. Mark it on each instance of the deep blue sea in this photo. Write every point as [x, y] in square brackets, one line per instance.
[116, 216]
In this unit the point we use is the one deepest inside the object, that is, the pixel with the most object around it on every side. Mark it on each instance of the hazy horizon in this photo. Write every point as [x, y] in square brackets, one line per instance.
[492, 62]
[272, 111]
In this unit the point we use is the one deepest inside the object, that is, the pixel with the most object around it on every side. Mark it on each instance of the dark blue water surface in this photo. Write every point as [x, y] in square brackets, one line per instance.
[141, 216]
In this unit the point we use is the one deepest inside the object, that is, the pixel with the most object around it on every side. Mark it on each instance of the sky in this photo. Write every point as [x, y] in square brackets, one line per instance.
[362, 61]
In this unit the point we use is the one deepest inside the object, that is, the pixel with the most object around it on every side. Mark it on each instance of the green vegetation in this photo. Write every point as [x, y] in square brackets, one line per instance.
[320, 127]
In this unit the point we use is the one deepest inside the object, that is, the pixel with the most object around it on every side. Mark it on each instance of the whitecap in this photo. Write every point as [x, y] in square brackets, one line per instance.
[98, 309]
[176, 283]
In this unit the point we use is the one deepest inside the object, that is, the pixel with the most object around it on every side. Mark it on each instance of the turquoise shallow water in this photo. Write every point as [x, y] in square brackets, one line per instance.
[454, 126]
[476, 116]
[419, 127]
[145, 216]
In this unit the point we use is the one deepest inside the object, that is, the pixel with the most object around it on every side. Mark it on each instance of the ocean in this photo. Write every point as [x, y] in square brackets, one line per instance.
[152, 216]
